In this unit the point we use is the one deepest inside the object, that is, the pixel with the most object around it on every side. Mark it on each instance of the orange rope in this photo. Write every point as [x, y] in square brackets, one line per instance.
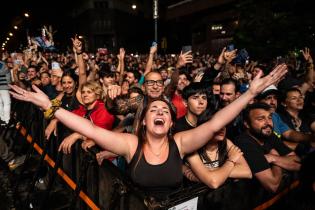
[277, 197]
[90, 203]
[60, 172]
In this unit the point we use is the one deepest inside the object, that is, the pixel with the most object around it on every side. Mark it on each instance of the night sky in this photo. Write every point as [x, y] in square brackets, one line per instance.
[41, 12]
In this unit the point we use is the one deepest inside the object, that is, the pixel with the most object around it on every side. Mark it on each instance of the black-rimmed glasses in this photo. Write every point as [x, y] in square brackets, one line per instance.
[152, 82]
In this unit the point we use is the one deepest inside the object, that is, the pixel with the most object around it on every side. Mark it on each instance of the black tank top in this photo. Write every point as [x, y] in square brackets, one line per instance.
[157, 180]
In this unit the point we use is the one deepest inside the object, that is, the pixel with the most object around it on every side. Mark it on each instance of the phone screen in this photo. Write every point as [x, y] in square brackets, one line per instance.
[17, 62]
[230, 47]
[186, 48]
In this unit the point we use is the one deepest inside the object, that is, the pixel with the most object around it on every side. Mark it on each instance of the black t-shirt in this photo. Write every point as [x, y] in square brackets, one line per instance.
[234, 128]
[209, 75]
[309, 105]
[254, 152]
[50, 91]
[182, 125]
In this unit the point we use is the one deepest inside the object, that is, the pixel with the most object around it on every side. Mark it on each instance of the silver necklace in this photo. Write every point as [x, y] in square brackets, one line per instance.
[161, 150]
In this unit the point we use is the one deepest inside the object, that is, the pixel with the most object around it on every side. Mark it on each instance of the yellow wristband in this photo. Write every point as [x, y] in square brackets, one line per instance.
[55, 105]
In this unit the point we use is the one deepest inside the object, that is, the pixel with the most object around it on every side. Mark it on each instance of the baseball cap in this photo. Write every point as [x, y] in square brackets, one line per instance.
[272, 89]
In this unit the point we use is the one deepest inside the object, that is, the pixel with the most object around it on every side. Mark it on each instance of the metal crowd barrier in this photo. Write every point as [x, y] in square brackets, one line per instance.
[120, 193]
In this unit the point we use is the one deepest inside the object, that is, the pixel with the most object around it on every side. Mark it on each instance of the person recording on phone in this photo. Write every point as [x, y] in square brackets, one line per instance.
[225, 57]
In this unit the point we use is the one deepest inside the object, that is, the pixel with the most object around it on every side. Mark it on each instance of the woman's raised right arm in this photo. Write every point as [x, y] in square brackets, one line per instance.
[118, 143]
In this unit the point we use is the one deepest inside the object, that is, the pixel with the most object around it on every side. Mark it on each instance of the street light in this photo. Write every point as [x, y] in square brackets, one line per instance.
[15, 27]
[8, 38]
[26, 15]
[10, 34]
[155, 17]
[134, 6]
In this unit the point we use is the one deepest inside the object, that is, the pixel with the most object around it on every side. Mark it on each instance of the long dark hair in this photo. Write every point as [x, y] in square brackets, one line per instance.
[222, 145]
[73, 100]
[141, 131]
[70, 73]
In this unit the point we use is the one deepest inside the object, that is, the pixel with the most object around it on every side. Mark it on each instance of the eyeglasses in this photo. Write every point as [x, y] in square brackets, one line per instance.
[152, 82]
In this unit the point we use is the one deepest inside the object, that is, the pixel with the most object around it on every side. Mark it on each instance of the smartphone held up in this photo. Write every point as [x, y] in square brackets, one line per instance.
[186, 49]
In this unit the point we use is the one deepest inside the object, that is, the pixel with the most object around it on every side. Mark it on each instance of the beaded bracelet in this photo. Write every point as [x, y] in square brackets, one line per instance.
[55, 105]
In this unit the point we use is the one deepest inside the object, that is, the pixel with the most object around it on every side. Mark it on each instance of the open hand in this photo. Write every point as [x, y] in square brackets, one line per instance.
[259, 83]
[306, 54]
[38, 98]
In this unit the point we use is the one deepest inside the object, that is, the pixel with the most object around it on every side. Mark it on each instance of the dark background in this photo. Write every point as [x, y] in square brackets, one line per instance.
[266, 28]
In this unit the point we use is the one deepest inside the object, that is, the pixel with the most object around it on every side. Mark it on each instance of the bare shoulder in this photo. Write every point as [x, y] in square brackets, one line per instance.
[177, 137]
[132, 141]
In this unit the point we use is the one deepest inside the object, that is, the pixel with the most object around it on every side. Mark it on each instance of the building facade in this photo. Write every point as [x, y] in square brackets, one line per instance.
[207, 25]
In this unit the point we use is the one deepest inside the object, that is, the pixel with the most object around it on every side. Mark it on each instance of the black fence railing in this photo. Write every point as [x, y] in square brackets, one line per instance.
[106, 186]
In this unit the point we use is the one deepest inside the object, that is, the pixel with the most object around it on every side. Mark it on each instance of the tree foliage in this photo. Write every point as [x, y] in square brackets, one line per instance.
[270, 28]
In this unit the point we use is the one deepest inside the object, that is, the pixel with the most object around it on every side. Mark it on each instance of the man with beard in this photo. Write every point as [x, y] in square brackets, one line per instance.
[265, 154]
[294, 139]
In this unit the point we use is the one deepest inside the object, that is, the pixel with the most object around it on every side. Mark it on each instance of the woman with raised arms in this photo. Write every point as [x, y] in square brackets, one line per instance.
[154, 155]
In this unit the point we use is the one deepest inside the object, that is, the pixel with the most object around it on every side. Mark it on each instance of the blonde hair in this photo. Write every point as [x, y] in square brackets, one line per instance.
[95, 87]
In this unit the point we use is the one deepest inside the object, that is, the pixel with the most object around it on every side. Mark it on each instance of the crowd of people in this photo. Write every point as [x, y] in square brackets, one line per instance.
[171, 117]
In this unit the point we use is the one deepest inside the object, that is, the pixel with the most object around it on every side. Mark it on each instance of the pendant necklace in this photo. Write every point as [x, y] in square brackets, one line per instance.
[161, 150]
